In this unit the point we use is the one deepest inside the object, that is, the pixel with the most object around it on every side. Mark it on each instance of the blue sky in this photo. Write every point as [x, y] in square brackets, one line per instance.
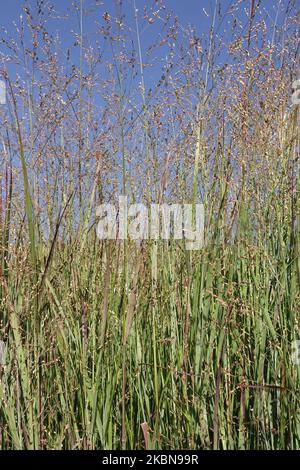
[197, 13]
[188, 11]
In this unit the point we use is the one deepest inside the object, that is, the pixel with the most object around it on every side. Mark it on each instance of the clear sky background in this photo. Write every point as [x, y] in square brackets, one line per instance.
[197, 13]
[188, 10]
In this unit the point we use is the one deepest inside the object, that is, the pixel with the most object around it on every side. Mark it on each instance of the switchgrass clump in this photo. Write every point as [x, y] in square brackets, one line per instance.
[109, 344]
